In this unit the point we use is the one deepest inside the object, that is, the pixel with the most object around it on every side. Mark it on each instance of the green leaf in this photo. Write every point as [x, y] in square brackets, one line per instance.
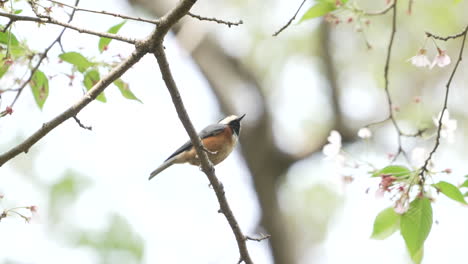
[126, 92]
[77, 60]
[104, 42]
[40, 87]
[8, 38]
[3, 67]
[465, 194]
[318, 10]
[394, 170]
[386, 223]
[415, 226]
[90, 79]
[18, 11]
[464, 184]
[450, 190]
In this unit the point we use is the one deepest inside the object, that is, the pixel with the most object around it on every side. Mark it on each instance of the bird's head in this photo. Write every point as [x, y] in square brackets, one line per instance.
[233, 121]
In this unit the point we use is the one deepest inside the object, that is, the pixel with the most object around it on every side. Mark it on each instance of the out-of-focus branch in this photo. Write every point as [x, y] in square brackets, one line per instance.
[463, 34]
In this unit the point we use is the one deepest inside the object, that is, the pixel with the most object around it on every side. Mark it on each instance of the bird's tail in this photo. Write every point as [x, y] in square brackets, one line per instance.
[163, 166]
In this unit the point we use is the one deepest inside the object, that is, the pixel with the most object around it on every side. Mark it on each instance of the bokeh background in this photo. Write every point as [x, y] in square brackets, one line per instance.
[95, 204]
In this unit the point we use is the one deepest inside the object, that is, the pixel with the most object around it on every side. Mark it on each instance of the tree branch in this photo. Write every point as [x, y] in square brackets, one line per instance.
[113, 75]
[391, 115]
[463, 34]
[219, 21]
[76, 8]
[154, 43]
[50, 20]
[206, 165]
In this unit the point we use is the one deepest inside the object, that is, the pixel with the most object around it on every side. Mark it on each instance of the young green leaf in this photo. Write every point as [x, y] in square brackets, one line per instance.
[3, 65]
[385, 224]
[8, 38]
[450, 190]
[90, 79]
[77, 60]
[415, 226]
[126, 92]
[394, 170]
[40, 87]
[104, 42]
[318, 10]
[464, 184]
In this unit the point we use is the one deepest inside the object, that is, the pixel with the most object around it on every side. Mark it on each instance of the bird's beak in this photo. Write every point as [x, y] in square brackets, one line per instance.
[240, 118]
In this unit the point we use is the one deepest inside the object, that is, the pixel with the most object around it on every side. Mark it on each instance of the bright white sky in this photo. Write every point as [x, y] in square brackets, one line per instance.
[176, 213]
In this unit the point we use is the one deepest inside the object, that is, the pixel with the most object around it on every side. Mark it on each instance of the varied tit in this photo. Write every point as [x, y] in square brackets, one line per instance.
[219, 139]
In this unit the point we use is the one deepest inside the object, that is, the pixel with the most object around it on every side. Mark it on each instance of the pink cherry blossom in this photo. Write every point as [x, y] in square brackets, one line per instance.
[442, 59]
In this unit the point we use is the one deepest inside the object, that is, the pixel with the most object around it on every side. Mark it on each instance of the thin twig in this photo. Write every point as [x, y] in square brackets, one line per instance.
[425, 168]
[258, 239]
[430, 35]
[41, 58]
[289, 21]
[386, 71]
[391, 115]
[381, 12]
[206, 165]
[219, 21]
[151, 21]
[50, 20]
[78, 121]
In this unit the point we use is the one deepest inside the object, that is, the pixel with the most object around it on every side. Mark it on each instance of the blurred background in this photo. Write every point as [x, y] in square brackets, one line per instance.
[95, 204]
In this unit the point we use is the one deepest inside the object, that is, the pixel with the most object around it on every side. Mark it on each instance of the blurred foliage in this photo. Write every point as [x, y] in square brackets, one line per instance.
[115, 243]
[64, 192]
[118, 243]
[312, 206]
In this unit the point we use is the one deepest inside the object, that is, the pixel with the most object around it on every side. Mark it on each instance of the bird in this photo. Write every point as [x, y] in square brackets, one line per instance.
[218, 139]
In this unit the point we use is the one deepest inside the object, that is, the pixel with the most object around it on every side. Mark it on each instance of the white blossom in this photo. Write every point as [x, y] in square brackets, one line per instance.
[448, 126]
[364, 133]
[421, 59]
[401, 206]
[333, 148]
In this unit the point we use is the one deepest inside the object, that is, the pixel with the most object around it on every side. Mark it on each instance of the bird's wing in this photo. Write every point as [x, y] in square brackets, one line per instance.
[209, 131]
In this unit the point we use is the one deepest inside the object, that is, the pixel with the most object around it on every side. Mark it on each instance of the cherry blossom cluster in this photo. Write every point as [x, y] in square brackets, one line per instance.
[395, 180]
[19, 211]
[421, 59]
